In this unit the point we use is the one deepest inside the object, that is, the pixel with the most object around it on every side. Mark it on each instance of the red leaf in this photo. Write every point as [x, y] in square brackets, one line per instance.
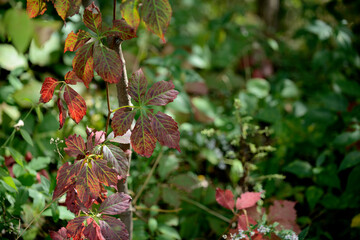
[62, 112]
[156, 15]
[83, 63]
[130, 13]
[95, 138]
[284, 213]
[92, 18]
[92, 231]
[247, 200]
[138, 86]
[242, 222]
[35, 7]
[74, 41]
[225, 198]
[65, 177]
[165, 130]
[107, 64]
[121, 30]
[114, 229]
[75, 146]
[67, 8]
[59, 235]
[122, 121]
[105, 174]
[76, 225]
[115, 204]
[161, 93]
[117, 158]
[76, 104]
[142, 138]
[71, 78]
[47, 89]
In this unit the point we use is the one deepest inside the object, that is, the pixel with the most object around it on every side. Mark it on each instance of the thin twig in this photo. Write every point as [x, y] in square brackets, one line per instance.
[148, 177]
[206, 209]
[114, 10]
[108, 105]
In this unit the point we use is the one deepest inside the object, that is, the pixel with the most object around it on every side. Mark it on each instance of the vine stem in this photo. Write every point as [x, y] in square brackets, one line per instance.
[108, 105]
[148, 177]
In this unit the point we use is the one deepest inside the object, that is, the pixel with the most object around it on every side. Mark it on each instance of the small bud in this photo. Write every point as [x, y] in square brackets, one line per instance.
[19, 125]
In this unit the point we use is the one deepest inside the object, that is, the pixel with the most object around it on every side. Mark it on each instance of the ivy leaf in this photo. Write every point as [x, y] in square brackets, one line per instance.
[248, 199]
[165, 130]
[66, 176]
[130, 13]
[47, 89]
[107, 64]
[121, 30]
[122, 121]
[75, 146]
[225, 198]
[71, 78]
[142, 138]
[138, 86]
[76, 104]
[117, 158]
[83, 63]
[115, 204]
[67, 8]
[161, 93]
[35, 8]
[156, 15]
[62, 113]
[76, 40]
[92, 18]
[113, 228]
[76, 225]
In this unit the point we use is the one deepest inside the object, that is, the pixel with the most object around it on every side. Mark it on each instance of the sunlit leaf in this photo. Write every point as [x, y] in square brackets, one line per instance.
[71, 78]
[67, 8]
[115, 204]
[157, 14]
[35, 7]
[47, 89]
[76, 104]
[112, 228]
[142, 138]
[121, 30]
[117, 158]
[138, 86]
[76, 40]
[75, 145]
[130, 13]
[107, 64]
[92, 18]
[161, 93]
[122, 121]
[165, 130]
[83, 63]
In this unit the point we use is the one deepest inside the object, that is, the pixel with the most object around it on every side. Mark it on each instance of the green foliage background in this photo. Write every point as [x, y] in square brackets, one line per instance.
[300, 83]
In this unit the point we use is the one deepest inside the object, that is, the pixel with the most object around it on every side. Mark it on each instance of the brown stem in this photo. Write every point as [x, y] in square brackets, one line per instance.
[114, 10]
[109, 110]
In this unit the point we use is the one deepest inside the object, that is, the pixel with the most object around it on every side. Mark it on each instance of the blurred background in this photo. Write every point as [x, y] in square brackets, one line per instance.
[269, 100]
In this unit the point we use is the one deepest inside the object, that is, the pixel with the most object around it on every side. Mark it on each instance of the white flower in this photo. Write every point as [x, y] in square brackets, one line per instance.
[224, 236]
[263, 229]
[292, 236]
[19, 124]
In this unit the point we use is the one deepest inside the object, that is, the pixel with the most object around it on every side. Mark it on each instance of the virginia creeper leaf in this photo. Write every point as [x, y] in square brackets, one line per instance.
[138, 86]
[243, 222]
[165, 130]
[121, 30]
[117, 158]
[105, 174]
[62, 112]
[76, 225]
[156, 15]
[67, 8]
[95, 138]
[71, 78]
[225, 198]
[115, 204]
[142, 138]
[65, 177]
[113, 228]
[122, 121]
[130, 13]
[35, 7]
[161, 93]
[248, 199]
[284, 213]
[59, 235]
[107, 64]
[75, 145]
[76, 104]
[92, 18]
[47, 89]
[83, 63]
[92, 231]
[76, 40]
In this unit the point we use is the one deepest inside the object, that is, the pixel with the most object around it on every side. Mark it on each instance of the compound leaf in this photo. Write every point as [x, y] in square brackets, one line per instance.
[76, 40]
[121, 30]
[138, 86]
[65, 177]
[113, 228]
[76, 104]
[67, 8]
[122, 121]
[165, 130]
[76, 225]
[35, 8]
[156, 15]
[225, 198]
[47, 89]
[142, 138]
[105, 174]
[92, 230]
[71, 78]
[75, 145]
[117, 158]
[115, 204]
[83, 63]
[161, 93]
[92, 18]
[130, 13]
[87, 184]
[107, 64]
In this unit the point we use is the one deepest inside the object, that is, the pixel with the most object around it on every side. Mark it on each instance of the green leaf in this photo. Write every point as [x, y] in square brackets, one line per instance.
[167, 165]
[39, 163]
[350, 160]
[153, 224]
[258, 87]
[26, 137]
[130, 13]
[10, 59]
[169, 232]
[313, 195]
[304, 233]
[18, 157]
[171, 196]
[301, 169]
[156, 14]
[9, 181]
